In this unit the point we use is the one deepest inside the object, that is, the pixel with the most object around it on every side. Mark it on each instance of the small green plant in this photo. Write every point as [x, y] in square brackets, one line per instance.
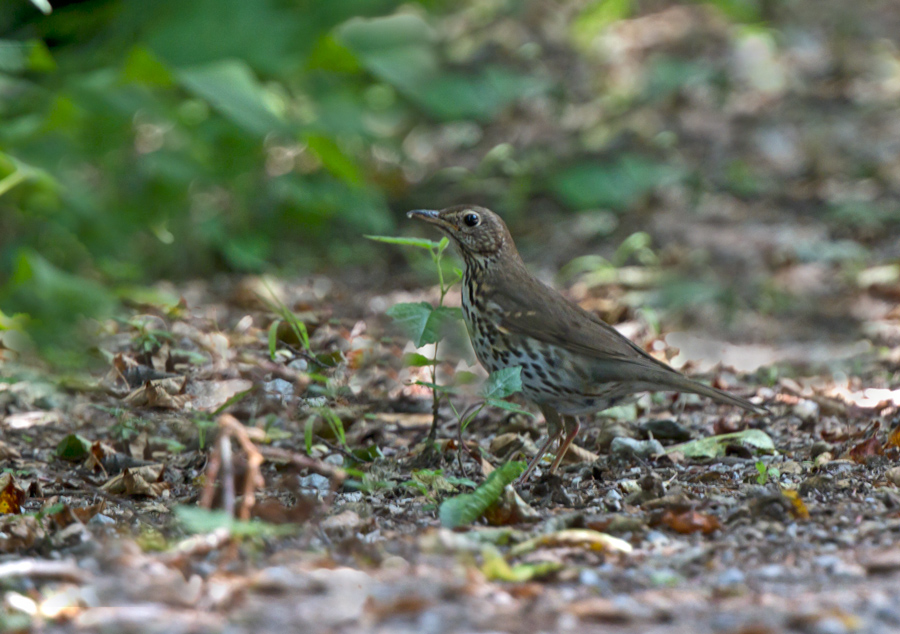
[500, 385]
[432, 484]
[147, 339]
[287, 316]
[128, 426]
[464, 509]
[331, 419]
[204, 423]
[425, 323]
[766, 473]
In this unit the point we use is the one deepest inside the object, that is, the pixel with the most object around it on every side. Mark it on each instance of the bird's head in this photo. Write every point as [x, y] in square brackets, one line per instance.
[479, 233]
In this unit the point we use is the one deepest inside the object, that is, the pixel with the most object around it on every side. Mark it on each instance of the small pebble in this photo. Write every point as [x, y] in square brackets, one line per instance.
[830, 625]
[893, 476]
[806, 410]
[279, 386]
[772, 572]
[102, 520]
[657, 538]
[731, 577]
[315, 482]
[642, 449]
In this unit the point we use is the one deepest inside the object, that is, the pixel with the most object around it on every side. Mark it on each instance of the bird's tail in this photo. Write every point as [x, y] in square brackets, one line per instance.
[684, 384]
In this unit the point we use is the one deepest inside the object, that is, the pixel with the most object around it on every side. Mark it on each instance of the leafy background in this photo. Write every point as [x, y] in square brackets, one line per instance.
[171, 140]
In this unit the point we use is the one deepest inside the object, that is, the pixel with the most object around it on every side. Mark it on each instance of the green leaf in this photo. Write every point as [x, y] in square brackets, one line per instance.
[496, 568]
[417, 360]
[273, 338]
[237, 398]
[740, 10]
[444, 389]
[755, 440]
[330, 55]
[422, 322]
[16, 57]
[308, 434]
[454, 96]
[464, 509]
[56, 302]
[73, 448]
[335, 424]
[367, 454]
[510, 407]
[503, 383]
[198, 520]
[399, 48]
[334, 159]
[231, 88]
[143, 67]
[763, 476]
[413, 319]
[446, 314]
[408, 242]
[616, 186]
[596, 17]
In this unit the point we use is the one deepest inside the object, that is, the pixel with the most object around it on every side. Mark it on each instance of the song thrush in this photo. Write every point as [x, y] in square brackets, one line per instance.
[572, 361]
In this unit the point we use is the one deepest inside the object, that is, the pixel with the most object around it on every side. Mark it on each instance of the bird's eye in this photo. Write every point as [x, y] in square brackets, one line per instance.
[472, 220]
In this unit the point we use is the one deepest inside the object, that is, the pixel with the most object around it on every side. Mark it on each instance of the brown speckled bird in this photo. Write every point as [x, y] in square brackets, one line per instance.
[573, 363]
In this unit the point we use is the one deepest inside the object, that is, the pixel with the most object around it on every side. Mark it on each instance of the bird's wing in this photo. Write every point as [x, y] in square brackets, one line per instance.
[535, 310]
[549, 317]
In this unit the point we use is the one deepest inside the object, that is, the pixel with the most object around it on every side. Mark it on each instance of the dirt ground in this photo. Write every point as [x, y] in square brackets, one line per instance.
[784, 256]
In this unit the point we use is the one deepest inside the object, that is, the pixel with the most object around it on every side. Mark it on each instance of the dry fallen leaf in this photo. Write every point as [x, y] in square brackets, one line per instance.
[70, 514]
[691, 522]
[18, 532]
[144, 480]
[573, 537]
[405, 421]
[8, 453]
[578, 455]
[162, 393]
[894, 439]
[208, 396]
[798, 508]
[861, 452]
[510, 509]
[11, 495]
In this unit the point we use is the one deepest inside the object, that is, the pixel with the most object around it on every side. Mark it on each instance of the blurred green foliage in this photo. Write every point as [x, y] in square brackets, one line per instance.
[171, 139]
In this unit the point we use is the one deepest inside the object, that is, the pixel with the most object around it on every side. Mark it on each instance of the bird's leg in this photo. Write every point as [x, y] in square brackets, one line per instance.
[680, 402]
[572, 426]
[554, 429]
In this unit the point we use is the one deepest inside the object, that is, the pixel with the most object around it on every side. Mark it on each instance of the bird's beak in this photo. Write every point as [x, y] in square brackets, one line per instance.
[430, 216]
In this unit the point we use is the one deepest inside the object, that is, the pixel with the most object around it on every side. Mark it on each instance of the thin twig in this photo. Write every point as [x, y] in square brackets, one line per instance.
[227, 474]
[335, 474]
[254, 479]
[64, 570]
[213, 465]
